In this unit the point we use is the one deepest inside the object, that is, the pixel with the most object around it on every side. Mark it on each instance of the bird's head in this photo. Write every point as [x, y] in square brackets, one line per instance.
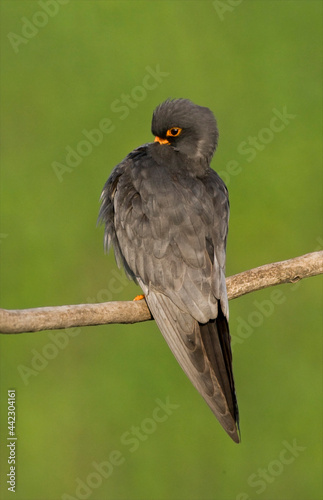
[188, 128]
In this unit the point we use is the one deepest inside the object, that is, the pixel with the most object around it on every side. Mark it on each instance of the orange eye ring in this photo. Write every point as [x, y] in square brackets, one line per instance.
[173, 132]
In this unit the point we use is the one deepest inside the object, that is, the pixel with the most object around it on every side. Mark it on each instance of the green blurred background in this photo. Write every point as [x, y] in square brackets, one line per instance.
[75, 401]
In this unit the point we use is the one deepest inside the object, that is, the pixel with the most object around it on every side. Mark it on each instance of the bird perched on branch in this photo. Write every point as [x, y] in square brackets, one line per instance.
[166, 214]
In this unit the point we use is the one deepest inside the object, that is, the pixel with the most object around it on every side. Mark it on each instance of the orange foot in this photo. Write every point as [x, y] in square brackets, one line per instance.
[139, 297]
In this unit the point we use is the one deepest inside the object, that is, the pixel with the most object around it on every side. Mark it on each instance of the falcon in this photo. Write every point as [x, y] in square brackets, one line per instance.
[166, 215]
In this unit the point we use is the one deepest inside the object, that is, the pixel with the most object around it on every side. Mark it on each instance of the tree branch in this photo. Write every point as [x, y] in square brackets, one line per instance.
[52, 318]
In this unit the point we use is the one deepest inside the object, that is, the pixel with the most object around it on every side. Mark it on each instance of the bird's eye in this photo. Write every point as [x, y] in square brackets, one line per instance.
[173, 132]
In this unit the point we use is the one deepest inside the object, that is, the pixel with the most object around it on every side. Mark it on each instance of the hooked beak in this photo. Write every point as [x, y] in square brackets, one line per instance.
[161, 141]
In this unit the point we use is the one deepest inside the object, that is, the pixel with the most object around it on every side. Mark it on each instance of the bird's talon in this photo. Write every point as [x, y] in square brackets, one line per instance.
[139, 297]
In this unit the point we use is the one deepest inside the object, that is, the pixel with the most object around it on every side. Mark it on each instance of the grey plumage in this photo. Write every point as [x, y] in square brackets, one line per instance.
[166, 214]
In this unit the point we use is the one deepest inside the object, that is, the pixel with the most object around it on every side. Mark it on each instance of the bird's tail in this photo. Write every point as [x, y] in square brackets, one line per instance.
[204, 353]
